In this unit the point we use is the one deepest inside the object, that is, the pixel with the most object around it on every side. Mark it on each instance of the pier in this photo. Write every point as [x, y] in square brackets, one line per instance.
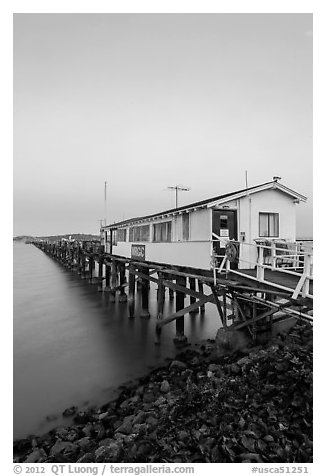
[254, 298]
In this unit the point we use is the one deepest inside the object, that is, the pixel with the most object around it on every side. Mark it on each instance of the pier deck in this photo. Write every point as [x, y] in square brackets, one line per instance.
[250, 298]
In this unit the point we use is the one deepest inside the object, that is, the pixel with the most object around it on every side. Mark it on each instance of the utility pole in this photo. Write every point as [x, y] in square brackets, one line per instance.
[178, 188]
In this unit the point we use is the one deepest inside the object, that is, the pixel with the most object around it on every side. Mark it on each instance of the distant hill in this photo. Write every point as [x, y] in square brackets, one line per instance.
[72, 236]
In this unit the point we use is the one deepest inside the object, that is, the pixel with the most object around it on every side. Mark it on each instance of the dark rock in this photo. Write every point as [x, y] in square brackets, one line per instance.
[160, 401]
[72, 435]
[177, 364]
[37, 456]
[100, 432]
[235, 369]
[125, 428]
[148, 397]
[61, 433]
[69, 411]
[216, 369]
[81, 418]
[105, 442]
[65, 448]
[152, 421]
[87, 458]
[140, 417]
[111, 453]
[140, 429]
[86, 444]
[22, 446]
[244, 361]
[183, 435]
[103, 454]
[165, 386]
[88, 430]
[102, 416]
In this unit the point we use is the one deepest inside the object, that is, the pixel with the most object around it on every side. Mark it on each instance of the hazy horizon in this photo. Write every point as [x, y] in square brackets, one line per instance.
[147, 101]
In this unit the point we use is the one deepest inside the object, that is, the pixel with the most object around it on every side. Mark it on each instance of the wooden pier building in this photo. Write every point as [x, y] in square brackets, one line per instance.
[237, 251]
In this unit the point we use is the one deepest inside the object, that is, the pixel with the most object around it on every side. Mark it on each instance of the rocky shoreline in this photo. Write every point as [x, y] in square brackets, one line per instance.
[253, 405]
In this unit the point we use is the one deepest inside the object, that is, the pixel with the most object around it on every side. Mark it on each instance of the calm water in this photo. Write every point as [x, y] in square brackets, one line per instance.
[71, 346]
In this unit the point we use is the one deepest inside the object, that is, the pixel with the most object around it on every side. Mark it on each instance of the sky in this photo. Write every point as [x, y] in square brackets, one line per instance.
[147, 101]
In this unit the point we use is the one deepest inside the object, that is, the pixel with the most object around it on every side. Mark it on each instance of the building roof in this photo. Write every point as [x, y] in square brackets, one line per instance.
[211, 202]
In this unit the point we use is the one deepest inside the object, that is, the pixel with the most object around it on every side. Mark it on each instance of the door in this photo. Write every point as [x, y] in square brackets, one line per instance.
[224, 225]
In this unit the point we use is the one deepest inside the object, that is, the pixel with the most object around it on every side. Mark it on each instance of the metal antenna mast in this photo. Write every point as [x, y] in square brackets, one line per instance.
[178, 188]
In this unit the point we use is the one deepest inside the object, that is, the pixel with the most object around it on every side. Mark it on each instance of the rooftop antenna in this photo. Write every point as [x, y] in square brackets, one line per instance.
[246, 179]
[178, 188]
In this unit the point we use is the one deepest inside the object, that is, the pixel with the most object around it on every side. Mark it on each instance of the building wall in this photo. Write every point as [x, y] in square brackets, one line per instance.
[197, 251]
[201, 224]
[182, 253]
[271, 201]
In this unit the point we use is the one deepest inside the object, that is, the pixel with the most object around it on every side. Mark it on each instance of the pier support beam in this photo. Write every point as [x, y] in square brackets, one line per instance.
[83, 270]
[179, 323]
[100, 274]
[171, 292]
[132, 286]
[144, 294]
[114, 280]
[201, 290]
[91, 264]
[160, 296]
[122, 275]
[107, 276]
[192, 285]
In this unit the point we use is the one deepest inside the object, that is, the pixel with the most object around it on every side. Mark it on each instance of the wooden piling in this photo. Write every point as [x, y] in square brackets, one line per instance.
[91, 266]
[122, 276]
[131, 292]
[100, 274]
[160, 296]
[144, 294]
[201, 290]
[192, 285]
[171, 292]
[83, 271]
[107, 276]
[179, 323]
[114, 280]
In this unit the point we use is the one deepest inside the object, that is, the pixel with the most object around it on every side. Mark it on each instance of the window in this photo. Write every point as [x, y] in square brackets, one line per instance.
[162, 231]
[114, 236]
[122, 234]
[185, 226]
[139, 233]
[269, 224]
[223, 221]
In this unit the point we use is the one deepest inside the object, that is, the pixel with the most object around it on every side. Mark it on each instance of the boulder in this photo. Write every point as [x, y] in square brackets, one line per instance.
[64, 448]
[229, 341]
[125, 428]
[37, 456]
[165, 386]
[111, 453]
[177, 364]
[86, 458]
[102, 416]
[86, 444]
[69, 411]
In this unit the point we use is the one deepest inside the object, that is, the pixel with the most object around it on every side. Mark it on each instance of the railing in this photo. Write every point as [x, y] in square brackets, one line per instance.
[285, 257]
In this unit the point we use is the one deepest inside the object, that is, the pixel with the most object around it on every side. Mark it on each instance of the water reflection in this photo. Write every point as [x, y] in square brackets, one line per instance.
[72, 345]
